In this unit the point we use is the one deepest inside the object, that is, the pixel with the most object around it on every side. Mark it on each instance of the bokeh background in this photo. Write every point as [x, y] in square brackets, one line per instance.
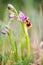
[33, 9]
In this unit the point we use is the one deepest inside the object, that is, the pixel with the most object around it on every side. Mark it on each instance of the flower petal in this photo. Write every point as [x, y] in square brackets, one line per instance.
[22, 16]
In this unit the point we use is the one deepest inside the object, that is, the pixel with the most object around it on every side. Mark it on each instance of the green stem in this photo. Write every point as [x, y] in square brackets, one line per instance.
[11, 42]
[14, 48]
[27, 37]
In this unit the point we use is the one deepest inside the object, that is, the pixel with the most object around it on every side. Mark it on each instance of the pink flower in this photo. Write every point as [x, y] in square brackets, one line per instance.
[22, 17]
[25, 19]
[11, 15]
[10, 6]
[3, 32]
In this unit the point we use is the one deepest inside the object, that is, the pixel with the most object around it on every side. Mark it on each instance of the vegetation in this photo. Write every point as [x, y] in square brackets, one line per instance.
[21, 32]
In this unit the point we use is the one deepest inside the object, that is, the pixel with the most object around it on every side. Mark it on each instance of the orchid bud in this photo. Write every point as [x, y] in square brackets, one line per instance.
[3, 32]
[10, 7]
[11, 15]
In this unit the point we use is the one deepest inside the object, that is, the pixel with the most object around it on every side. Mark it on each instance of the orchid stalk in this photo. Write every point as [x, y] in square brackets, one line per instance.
[25, 24]
[11, 42]
[26, 37]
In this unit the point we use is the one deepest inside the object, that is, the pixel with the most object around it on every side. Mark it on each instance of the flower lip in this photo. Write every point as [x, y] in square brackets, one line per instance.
[28, 24]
